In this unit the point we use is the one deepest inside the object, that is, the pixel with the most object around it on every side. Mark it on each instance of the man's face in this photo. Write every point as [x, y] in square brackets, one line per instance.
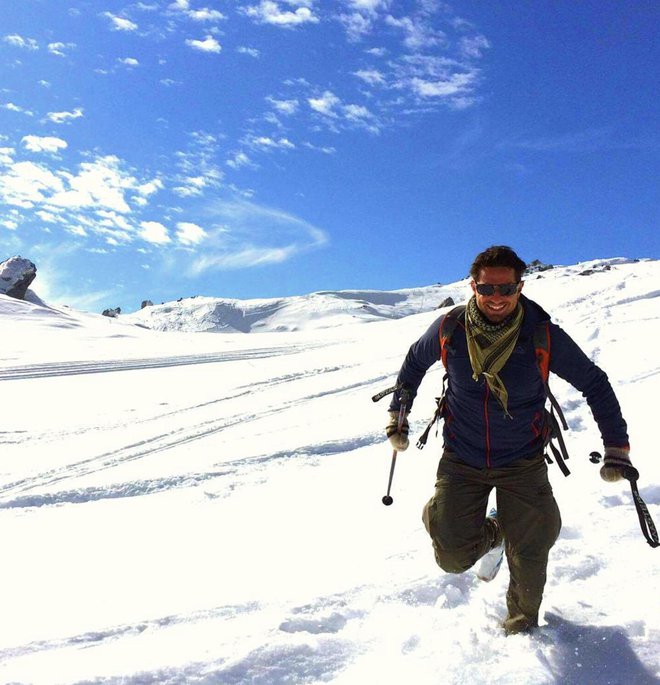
[496, 307]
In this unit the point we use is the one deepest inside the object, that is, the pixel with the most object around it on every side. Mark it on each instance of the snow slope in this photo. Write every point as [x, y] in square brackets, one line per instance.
[305, 312]
[201, 508]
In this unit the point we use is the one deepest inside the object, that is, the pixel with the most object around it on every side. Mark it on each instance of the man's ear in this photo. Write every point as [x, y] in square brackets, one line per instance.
[522, 283]
[473, 286]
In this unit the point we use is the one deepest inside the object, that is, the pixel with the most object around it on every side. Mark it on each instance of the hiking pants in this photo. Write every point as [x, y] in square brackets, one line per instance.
[527, 513]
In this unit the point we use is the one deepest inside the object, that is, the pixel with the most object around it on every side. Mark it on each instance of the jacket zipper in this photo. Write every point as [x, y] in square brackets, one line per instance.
[487, 426]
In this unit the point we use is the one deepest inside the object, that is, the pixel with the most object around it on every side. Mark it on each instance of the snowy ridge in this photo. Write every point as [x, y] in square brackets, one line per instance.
[187, 508]
[306, 312]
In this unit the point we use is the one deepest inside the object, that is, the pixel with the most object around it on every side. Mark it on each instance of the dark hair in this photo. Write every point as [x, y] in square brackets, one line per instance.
[498, 255]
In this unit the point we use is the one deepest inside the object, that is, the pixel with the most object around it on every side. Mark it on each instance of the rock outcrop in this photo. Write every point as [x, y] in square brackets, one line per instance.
[16, 275]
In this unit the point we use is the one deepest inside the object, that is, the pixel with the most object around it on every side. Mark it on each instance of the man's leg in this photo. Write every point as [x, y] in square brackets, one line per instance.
[530, 521]
[455, 516]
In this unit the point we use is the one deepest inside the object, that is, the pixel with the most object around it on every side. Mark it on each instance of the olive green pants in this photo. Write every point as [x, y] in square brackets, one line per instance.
[527, 513]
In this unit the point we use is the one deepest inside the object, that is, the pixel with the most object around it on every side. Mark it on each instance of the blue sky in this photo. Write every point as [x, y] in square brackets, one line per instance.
[264, 148]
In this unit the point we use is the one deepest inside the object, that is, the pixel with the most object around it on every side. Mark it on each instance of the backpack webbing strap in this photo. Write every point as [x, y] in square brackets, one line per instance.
[437, 415]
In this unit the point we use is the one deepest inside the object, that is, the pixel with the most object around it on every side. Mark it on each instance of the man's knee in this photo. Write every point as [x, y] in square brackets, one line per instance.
[453, 561]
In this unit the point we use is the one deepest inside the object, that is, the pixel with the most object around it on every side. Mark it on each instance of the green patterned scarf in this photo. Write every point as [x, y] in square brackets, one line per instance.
[490, 346]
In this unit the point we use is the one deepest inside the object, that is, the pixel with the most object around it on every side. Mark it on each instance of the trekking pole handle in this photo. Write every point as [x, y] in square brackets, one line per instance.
[404, 398]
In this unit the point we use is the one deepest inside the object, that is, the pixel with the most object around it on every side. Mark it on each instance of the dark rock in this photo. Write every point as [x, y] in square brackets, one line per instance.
[536, 266]
[112, 313]
[448, 302]
[146, 303]
[16, 275]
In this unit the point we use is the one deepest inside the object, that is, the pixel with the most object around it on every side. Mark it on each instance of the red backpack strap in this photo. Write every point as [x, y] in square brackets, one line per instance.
[447, 328]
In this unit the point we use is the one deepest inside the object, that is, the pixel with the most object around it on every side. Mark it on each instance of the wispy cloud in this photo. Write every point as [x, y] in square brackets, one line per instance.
[589, 140]
[247, 234]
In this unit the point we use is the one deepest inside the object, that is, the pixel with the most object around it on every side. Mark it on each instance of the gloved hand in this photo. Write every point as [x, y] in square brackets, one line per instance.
[398, 439]
[615, 461]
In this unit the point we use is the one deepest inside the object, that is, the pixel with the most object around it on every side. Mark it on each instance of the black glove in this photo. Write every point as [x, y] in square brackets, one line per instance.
[399, 439]
[615, 462]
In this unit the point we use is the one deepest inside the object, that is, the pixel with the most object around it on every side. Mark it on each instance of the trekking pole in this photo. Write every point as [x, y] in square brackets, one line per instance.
[631, 474]
[387, 499]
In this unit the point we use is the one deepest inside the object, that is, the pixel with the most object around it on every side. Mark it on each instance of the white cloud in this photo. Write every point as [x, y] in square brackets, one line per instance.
[209, 44]
[373, 77]
[61, 117]
[189, 234]
[269, 12]
[154, 232]
[48, 217]
[370, 6]
[325, 104]
[113, 219]
[10, 106]
[27, 183]
[99, 185]
[7, 155]
[453, 85]
[128, 61]
[206, 14]
[59, 48]
[418, 35]
[287, 107]
[120, 23]
[19, 42]
[473, 46]
[240, 159]
[267, 143]
[252, 52]
[44, 144]
[357, 25]
[149, 188]
[356, 112]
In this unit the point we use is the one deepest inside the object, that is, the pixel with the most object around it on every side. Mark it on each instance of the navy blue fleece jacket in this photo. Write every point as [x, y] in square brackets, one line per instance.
[475, 426]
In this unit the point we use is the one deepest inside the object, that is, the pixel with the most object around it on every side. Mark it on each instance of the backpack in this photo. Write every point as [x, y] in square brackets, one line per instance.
[551, 422]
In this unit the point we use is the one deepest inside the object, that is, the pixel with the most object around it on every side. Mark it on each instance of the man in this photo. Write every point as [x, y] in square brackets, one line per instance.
[494, 434]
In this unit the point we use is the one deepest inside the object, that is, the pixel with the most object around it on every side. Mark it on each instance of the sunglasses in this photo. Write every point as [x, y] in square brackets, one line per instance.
[505, 289]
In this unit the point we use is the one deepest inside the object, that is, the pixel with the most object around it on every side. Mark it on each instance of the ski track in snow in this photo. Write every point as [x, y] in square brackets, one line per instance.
[389, 619]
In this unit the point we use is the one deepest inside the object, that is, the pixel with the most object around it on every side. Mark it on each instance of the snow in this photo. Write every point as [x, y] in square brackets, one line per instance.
[307, 312]
[182, 507]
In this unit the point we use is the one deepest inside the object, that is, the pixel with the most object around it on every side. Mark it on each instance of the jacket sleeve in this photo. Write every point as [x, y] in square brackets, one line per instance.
[420, 358]
[569, 362]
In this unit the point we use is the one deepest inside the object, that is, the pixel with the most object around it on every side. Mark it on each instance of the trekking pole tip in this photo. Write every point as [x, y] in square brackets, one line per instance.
[387, 500]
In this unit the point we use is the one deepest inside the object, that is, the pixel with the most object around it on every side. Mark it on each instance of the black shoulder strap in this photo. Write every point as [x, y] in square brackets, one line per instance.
[542, 348]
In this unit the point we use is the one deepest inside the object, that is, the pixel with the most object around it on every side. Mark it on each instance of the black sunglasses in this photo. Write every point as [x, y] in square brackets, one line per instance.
[504, 289]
